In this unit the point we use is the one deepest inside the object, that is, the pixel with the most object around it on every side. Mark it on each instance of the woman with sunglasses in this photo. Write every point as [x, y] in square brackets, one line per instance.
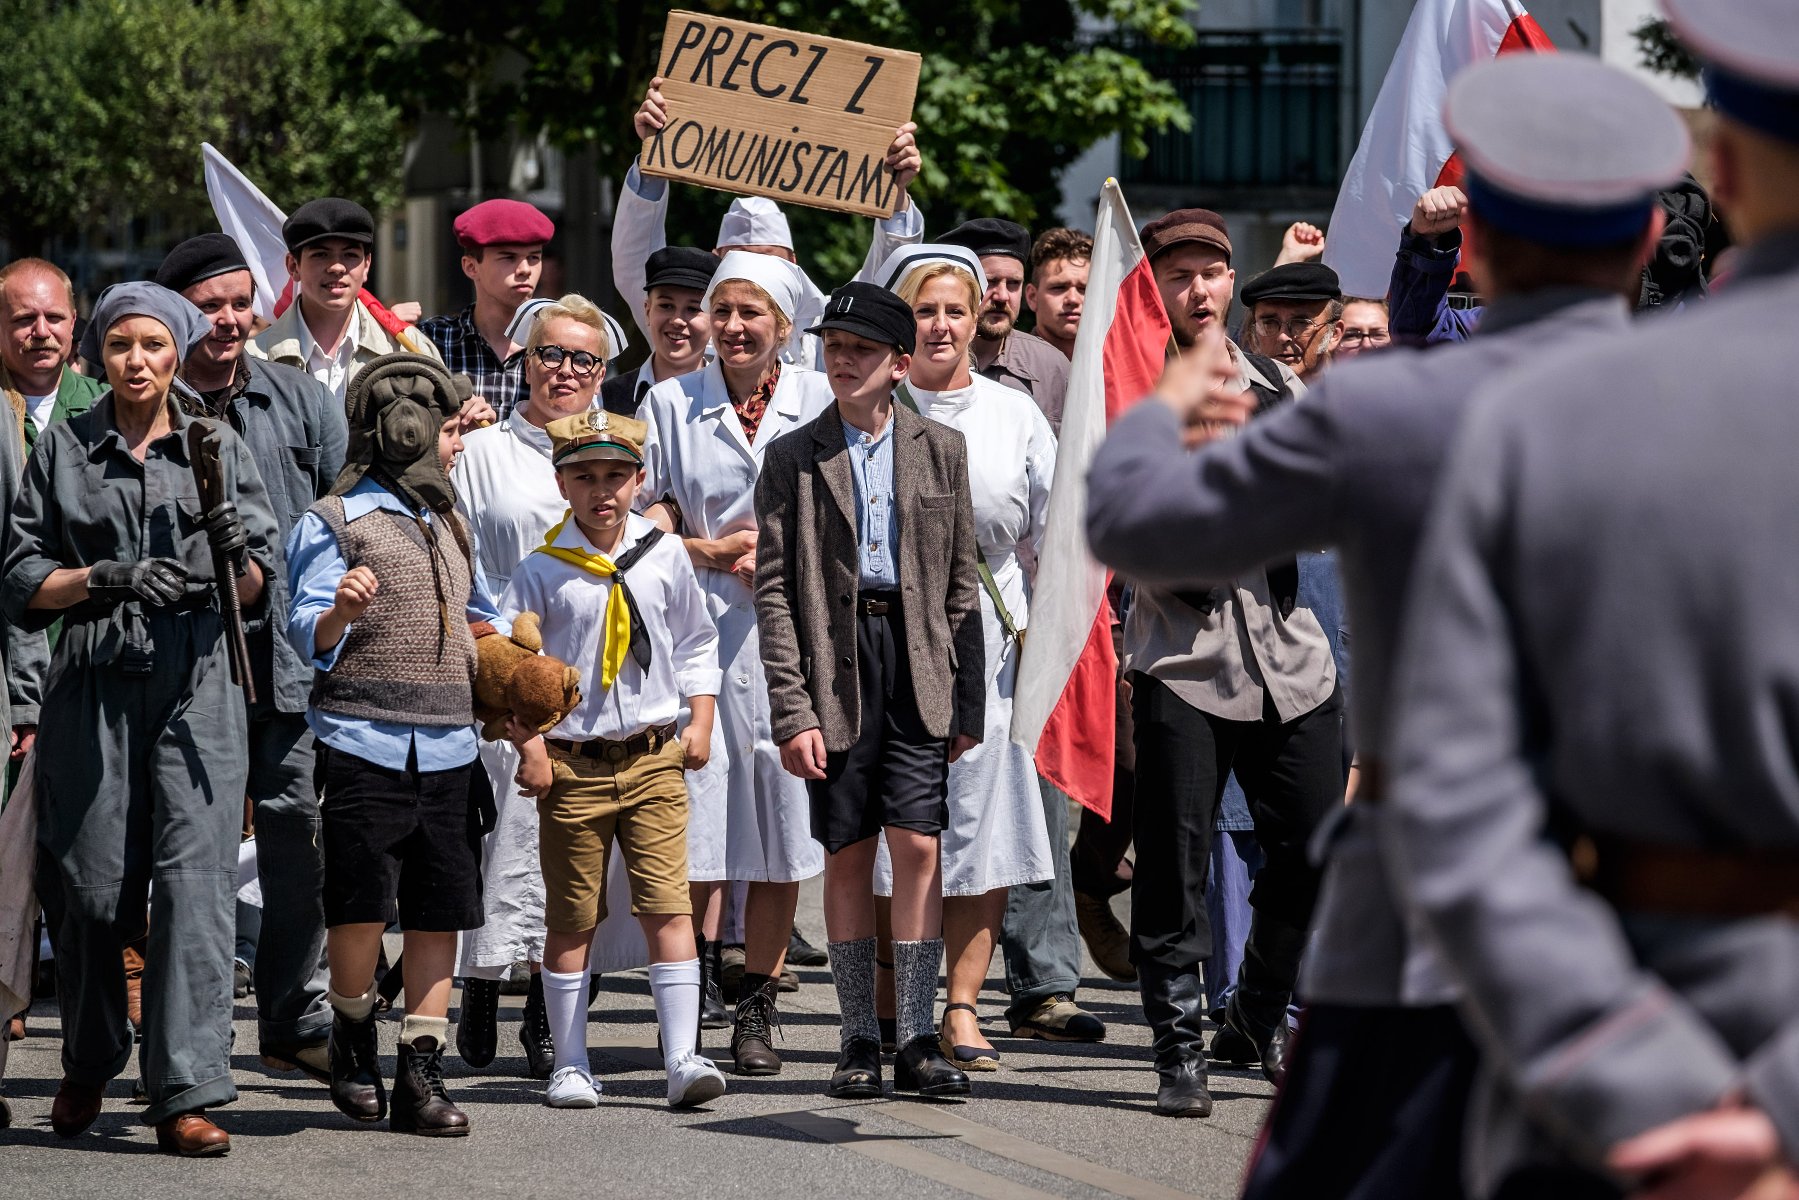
[507, 493]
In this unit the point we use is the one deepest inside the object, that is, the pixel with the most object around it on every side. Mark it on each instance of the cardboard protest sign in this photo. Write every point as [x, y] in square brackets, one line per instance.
[762, 111]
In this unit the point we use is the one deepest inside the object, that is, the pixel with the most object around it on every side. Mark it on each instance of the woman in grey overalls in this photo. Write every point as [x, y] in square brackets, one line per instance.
[141, 766]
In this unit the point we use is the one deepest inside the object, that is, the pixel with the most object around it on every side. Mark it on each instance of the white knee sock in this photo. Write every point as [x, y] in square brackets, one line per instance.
[676, 988]
[565, 1003]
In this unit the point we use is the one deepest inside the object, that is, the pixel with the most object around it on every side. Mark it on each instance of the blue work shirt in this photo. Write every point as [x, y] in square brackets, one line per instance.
[315, 566]
[877, 525]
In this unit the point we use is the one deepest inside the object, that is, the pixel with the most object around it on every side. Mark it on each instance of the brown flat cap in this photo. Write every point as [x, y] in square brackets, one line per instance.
[1186, 225]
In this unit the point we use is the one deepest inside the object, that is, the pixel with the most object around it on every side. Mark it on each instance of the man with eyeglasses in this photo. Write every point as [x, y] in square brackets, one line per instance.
[502, 254]
[1295, 315]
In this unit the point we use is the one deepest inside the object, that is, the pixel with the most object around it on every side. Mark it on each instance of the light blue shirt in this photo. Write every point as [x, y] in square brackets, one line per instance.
[315, 566]
[877, 525]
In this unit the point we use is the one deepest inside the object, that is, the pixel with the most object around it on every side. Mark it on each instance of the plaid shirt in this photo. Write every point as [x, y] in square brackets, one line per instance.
[466, 352]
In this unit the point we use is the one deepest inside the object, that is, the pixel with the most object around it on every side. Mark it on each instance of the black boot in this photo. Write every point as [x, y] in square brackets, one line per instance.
[712, 1000]
[534, 1033]
[1260, 1019]
[1265, 981]
[752, 1045]
[1174, 1004]
[920, 1067]
[421, 1105]
[477, 1029]
[356, 1086]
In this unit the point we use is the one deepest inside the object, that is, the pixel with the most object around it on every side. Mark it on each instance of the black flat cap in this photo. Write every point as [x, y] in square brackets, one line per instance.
[870, 311]
[200, 258]
[680, 266]
[992, 236]
[331, 217]
[1293, 281]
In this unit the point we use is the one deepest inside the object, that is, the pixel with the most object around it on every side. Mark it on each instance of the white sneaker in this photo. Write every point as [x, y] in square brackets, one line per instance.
[571, 1087]
[694, 1080]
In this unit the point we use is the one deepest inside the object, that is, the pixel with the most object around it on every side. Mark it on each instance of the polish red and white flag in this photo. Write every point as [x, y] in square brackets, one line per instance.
[1405, 151]
[1062, 708]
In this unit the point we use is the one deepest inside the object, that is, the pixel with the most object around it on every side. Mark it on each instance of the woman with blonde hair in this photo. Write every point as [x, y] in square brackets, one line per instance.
[997, 837]
[709, 431]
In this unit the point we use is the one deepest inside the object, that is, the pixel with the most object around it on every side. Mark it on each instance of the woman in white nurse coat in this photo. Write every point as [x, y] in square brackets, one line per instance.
[506, 490]
[997, 837]
[708, 431]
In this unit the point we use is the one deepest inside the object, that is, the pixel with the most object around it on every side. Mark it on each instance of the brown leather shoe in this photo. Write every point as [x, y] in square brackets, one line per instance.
[191, 1135]
[15, 1029]
[134, 987]
[1106, 938]
[76, 1107]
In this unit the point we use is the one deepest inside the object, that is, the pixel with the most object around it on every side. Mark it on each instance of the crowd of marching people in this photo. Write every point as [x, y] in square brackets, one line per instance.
[564, 670]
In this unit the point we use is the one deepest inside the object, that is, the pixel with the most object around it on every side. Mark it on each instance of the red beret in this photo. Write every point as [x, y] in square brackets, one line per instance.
[503, 223]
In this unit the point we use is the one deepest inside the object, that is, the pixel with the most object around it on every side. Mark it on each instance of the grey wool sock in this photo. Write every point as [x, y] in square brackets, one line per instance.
[853, 971]
[915, 969]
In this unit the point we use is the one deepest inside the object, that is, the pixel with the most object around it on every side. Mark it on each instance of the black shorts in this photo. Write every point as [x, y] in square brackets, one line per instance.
[411, 835]
[896, 773]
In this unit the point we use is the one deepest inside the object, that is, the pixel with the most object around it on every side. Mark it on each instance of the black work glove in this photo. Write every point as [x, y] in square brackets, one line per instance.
[155, 581]
[226, 533]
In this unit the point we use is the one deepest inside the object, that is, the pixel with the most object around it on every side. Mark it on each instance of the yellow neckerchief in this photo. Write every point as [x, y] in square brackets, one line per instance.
[618, 604]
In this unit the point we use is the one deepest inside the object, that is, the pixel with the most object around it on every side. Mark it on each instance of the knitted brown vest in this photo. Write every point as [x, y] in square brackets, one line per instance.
[397, 662]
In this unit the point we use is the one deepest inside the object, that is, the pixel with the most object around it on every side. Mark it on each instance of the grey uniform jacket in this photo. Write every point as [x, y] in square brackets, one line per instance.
[294, 427]
[807, 578]
[1604, 621]
[1351, 464]
[27, 650]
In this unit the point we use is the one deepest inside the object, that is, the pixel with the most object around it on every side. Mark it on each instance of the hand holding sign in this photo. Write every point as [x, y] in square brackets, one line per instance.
[769, 112]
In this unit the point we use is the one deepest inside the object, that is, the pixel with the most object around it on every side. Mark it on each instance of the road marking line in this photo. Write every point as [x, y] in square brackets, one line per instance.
[900, 1153]
[1032, 1154]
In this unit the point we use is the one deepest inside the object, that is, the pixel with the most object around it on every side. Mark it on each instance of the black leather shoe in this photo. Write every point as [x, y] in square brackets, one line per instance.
[1181, 1089]
[477, 1029]
[752, 1047]
[356, 1086]
[858, 1073]
[920, 1067]
[1269, 1036]
[421, 1105]
[534, 1033]
[801, 953]
[713, 1014]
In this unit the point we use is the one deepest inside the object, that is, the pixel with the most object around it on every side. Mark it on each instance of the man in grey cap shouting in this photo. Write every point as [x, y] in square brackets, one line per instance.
[1374, 1100]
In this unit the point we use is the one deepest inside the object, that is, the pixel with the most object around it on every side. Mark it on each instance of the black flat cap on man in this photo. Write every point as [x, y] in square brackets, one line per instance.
[1293, 281]
[331, 217]
[200, 258]
[873, 312]
[992, 236]
[1537, 174]
[680, 266]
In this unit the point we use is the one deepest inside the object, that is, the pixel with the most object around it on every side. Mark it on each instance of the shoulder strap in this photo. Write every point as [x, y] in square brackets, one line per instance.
[1267, 397]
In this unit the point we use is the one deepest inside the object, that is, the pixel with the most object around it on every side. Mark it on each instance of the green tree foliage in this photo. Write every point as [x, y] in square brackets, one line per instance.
[1009, 95]
[106, 103]
[1660, 50]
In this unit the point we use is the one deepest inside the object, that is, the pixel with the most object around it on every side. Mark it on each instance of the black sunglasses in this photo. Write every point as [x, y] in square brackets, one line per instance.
[583, 362]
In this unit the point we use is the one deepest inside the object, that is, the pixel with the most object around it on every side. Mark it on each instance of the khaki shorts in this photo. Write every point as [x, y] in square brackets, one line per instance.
[642, 802]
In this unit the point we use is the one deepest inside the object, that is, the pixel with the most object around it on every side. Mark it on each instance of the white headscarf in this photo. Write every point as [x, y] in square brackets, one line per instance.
[754, 221]
[776, 276]
[907, 260]
[525, 319]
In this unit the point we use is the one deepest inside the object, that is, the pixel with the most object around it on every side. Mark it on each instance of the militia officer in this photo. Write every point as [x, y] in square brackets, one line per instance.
[1003, 352]
[294, 428]
[110, 537]
[1383, 1063]
[1593, 803]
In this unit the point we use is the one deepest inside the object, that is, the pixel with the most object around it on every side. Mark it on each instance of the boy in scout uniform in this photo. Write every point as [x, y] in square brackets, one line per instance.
[622, 605]
[1383, 1065]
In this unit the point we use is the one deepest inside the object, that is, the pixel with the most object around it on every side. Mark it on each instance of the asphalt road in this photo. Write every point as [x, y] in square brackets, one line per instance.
[1056, 1121]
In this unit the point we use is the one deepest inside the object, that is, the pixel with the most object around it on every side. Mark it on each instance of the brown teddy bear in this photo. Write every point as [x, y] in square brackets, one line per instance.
[512, 678]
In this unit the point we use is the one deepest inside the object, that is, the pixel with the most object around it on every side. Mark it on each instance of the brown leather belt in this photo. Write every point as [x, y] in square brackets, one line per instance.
[1643, 877]
[647, 742]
